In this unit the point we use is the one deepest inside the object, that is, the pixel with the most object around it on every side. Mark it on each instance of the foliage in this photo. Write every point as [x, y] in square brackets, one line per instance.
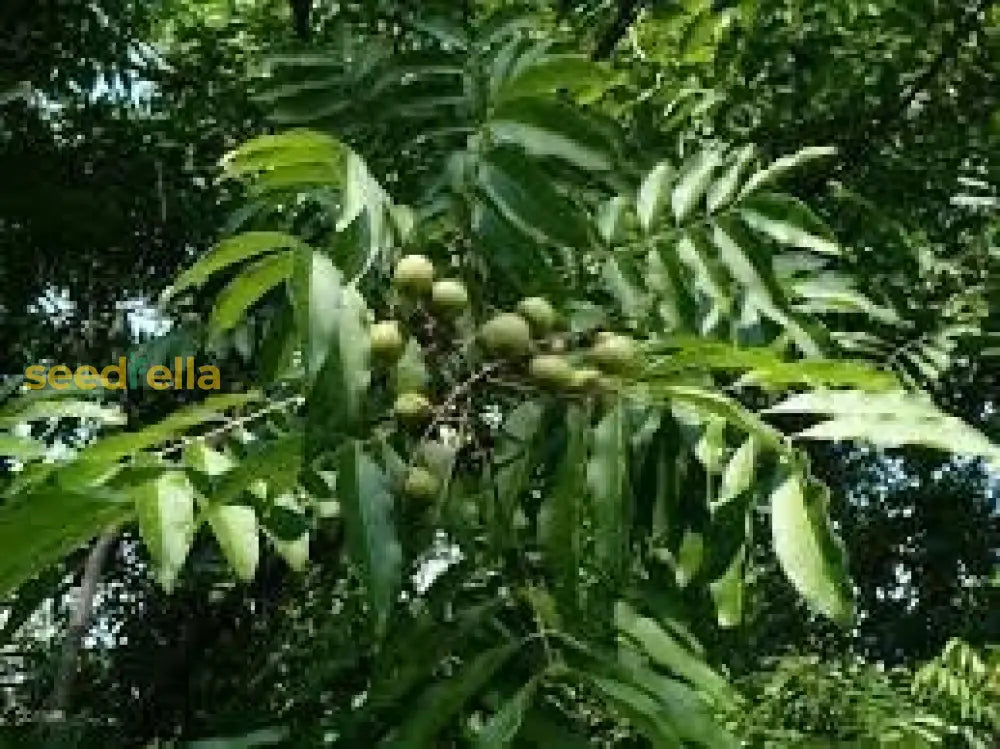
[572, 524]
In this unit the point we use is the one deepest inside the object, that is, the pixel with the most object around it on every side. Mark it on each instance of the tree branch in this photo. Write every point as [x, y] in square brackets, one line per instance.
[79, 622]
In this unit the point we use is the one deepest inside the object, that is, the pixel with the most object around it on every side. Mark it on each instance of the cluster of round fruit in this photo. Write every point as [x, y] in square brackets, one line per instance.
[509, 335]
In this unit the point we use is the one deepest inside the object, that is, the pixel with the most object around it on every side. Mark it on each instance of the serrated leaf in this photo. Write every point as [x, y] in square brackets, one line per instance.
[235, 529]
[809, 552]
[165, 511]
[363, 491]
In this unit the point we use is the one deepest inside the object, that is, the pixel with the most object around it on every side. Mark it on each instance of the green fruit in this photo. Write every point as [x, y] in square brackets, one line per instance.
[420, 484]
[386, 340]
[613, 352]
[551, 370]
[414, 274]
[585, 379]
[412, 408]
[538, 312]
[449, 295]
[507, 334]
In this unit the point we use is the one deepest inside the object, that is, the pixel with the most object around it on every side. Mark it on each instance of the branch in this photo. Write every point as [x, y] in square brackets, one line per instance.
[79, 622]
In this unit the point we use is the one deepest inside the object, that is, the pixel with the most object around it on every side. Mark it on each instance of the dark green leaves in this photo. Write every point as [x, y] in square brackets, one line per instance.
[607, 479]
[363, 490]
[525, 196]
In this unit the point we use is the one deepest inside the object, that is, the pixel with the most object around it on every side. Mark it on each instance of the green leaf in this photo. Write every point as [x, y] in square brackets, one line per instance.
[574, 73]
[551, 128]
[607, 480]
[788, 221]
[502, 728]
[363, 491]
[21, 448]
[683, 709]
[525, 196]
[441, 702]
[235, 528]
[738, 475]
[562, 514]
[887, 419]
[248, 288]
[727, 592]
[336, 403]
[294, 148]
[709, 402]
[39, 528]
[761, 288]
[667, 652]
[723, 189]
[641, 709]
[809, 552]
[693, 181]
[231, 251]
[653, 193]
[784, 165]
[101, 459]
[165, 511]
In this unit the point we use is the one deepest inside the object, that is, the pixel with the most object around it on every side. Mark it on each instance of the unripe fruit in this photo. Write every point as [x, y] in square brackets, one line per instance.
[449, 295]
[386, 340]
[585, 379]
[538, 312]
[551, 370]
[613, 352]
[420, 484]
[412, 408]
[414, 274]
[507, 334]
